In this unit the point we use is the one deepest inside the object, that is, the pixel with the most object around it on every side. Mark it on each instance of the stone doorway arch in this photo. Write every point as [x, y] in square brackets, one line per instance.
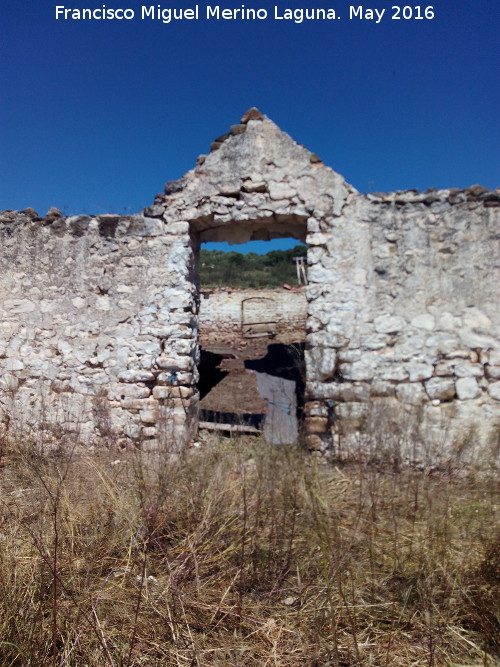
[257, 184]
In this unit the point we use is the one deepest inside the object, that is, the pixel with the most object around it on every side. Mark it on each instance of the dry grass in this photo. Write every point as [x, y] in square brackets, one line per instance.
[241, 554]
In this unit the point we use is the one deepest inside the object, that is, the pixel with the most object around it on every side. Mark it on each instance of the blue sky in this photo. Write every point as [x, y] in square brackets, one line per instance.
[96, 116]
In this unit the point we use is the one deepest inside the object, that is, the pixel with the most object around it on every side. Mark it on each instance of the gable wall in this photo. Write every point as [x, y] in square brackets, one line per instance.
[99, 316]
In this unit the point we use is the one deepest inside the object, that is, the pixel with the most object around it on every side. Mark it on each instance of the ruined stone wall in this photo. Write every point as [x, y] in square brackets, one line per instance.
[416, 330]
[229, 314]
[96, 330]
[99, 316]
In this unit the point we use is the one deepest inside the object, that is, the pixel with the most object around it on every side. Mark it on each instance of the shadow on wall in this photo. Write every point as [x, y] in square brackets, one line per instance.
[287, 362]
[210, 372]
[263, 395]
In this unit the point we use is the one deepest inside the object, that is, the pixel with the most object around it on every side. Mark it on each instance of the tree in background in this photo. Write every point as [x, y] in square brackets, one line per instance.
[232, 269]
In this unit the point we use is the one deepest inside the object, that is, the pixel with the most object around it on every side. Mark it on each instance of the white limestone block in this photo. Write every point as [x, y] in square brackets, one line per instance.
[411, 393]
[494, 390]
[424, 321]
[418, 372]
[389, 324]
[467, 388]
[441, 389]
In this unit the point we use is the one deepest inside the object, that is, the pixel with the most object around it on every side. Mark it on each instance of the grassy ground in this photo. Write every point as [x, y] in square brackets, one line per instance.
[241, 554]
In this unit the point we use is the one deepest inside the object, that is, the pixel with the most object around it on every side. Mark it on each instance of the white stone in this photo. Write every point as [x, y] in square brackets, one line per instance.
[149, 416]
[48, 306]
[494, 390]
[393, 372]
[173, 378]
[177, 228]
[313, 226]
[493, 372]
[122, 289]
[13, 364]
[442, 389]
[374, 341]
[18, 306]
[82, 355]
[468, 370]
[389, 324]
[103, 303]
[476, 320]
[146, 347]
[467, 388]
[458, 354]
[382, 388]
[360, 276]
[358, 370]
[174, 363]
[411, 393]
[118, 391]
[447, 321]
[317, 239]
[317, 410]
[318, 274]
[136, 376]
[183, 346]
[474, 340]
[321, 363]
[442, 343]
[417, 372]
[349, 355]
[279, 191]
[445, 367]
[147, 362]
[494, 357]
[139, 403]
[424, 321]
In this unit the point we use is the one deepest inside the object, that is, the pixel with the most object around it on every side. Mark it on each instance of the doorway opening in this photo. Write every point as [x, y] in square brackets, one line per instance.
[252, 322]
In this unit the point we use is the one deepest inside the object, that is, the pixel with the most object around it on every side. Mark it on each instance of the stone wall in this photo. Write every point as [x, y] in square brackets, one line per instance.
[97, 324]
[410, 323]
[232, 314]
[99, 316]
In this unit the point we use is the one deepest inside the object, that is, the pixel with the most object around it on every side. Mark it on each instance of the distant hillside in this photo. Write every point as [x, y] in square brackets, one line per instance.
[232, 269]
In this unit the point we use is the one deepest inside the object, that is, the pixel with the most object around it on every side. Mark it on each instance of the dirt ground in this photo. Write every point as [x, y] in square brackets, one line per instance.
[237, 390]
[227, 385]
